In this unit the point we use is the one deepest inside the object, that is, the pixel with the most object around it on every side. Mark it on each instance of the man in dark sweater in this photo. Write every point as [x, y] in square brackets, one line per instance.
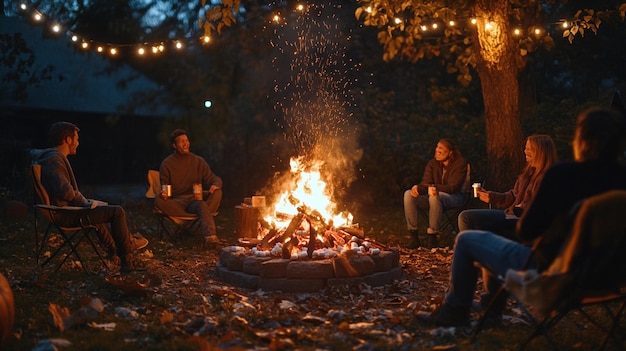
[58, 179]
[182, 170]
[597, 147]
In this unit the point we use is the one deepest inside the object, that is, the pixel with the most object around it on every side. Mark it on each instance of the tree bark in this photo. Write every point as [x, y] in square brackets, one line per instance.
[498, 65]
[246, 222]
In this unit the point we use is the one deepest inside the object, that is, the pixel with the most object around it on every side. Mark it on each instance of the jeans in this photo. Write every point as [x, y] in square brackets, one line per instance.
[100, 217]
[490, 220]
[181, 206]
[435, 205]
[491, 251]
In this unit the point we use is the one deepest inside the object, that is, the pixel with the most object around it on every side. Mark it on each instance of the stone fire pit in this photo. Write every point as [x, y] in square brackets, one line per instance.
[238, 266]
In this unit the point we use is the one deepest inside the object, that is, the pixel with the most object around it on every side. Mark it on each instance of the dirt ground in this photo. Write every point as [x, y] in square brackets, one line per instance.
[180, 304]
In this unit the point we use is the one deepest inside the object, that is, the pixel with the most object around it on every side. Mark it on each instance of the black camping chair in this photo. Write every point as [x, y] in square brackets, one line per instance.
[171, 225]
[71, 237]
[589, 273]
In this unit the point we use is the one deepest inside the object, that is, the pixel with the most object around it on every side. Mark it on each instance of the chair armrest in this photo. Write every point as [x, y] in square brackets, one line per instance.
[62, 208]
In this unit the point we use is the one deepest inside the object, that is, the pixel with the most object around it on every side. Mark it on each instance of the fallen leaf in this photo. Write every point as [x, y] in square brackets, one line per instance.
[103, 326]
[131, 286]
[64, 320]
[58, 315]
[166, 317]
[286, 304]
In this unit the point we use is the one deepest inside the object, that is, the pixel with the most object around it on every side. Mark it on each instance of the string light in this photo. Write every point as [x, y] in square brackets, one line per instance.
[488, 26]
[178, 45]
[108, 48]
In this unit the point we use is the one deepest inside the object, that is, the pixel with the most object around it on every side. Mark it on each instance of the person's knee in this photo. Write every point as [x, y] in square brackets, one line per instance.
[118, 211]
[464, 218]
[407, 196]
[410, 201]
[216, 195]
[463, 238]
[434, 202]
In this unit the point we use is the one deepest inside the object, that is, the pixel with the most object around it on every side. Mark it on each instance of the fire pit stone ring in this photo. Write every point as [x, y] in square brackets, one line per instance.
[239, 267]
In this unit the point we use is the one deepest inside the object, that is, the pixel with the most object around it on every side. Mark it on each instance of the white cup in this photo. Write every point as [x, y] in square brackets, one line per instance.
[476, 186]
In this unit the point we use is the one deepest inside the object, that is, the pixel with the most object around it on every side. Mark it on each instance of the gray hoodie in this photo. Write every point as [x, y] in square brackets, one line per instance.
[58, 178]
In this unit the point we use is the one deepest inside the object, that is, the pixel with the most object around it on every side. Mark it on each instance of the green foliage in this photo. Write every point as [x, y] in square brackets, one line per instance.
[406, 27]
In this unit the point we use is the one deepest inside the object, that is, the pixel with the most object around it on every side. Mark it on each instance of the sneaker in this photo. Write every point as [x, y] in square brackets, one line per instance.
[446, 316]
[130, 263]
[138, 242]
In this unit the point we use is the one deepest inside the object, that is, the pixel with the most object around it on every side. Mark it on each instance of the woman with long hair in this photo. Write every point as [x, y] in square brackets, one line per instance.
[540, 155]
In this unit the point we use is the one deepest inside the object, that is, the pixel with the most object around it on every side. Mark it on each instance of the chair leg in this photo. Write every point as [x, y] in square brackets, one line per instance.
[97, 251]
[610, 328]
[483, 315]
[541, 329]
[614, 325]
[71, 241]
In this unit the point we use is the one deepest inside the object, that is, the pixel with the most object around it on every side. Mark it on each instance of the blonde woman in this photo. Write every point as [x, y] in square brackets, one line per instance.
[540, 155]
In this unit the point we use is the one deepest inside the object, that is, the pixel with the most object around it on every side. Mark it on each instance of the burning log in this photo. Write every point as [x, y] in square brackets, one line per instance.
[293, 225]
[337, 240]
[312, 239]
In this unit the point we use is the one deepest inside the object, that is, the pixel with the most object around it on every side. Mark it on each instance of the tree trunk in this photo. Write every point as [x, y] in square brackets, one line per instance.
[498, 65]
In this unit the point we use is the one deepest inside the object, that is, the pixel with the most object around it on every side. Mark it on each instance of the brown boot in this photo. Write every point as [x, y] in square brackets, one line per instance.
[433, 241]
[415, 240]
[130, 263]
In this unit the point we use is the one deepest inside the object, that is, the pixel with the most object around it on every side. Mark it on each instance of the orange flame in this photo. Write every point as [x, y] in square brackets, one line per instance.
[308, 191]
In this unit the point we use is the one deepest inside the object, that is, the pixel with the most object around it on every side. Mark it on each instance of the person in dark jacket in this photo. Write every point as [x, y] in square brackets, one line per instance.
[597, 148]
[57, 177]
[444, 175]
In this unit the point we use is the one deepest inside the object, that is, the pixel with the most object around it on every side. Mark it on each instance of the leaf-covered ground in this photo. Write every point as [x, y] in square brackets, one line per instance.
[180, 304]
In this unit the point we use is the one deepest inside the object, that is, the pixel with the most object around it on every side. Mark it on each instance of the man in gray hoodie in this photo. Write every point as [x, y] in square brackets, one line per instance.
[58, 179]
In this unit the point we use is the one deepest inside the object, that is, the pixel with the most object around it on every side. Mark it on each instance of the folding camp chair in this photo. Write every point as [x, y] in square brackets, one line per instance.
[71, 237]
[173, 226]
[589, 275]
[449, 226]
